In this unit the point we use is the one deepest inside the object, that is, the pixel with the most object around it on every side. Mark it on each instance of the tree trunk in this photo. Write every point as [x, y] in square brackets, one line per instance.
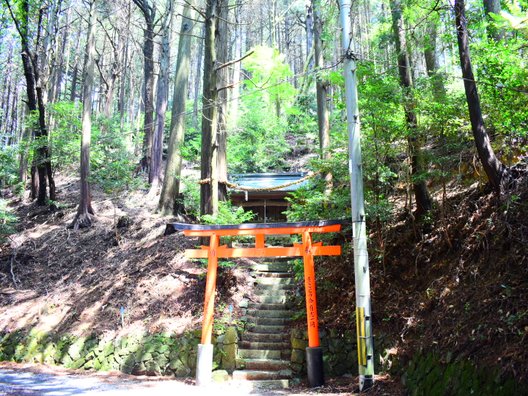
[493, 6]
[431, 63]
[235, 94]
[161, 102]
[36, 104]
[83, 218]
[124, 76]
[321, 87]
[73, 90]
[492, 166]
[170, 193]
[209, 151]
[222, 56]
[25, 138]
[149, 13]
[309, 34]
[423, 201]
[199, 76]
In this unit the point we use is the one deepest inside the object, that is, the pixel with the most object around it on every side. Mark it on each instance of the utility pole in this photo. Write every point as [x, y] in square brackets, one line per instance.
[361, 265]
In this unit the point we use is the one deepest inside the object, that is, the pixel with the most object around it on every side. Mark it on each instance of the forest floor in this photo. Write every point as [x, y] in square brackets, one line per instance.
[457, 285]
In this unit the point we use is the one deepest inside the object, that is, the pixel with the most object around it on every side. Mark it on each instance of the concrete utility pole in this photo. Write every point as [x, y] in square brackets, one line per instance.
[359, 233]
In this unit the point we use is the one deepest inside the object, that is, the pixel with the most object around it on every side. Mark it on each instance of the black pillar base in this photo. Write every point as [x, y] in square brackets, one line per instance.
[314, 366]
[365, 382]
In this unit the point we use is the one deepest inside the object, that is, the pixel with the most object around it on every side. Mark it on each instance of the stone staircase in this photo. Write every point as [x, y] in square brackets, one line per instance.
[264, 351]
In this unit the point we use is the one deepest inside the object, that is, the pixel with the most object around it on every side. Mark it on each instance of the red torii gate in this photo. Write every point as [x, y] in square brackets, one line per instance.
[307, 250]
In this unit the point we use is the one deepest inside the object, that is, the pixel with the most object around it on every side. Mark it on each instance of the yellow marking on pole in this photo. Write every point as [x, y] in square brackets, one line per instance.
[361, 336]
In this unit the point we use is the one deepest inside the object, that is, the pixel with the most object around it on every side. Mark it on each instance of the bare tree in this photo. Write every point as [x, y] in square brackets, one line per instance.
[35, 88]
[170, 193]
[161, 100]
[423, 200]
[149, 12]
[222, 56]
[431, 61]
[82, 218]
[492, 166]
[321, 87]
[209, 150]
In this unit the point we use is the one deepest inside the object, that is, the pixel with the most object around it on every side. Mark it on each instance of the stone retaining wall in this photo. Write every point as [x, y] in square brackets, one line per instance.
[150, 355]
[339, 352]
[430, 375]
[176, 355]
[163, 354]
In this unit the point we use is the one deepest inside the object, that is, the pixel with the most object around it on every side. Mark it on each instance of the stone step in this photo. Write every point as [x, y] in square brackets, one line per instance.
[273, 346]
[273, 287]
[270, 313]
[286, 275]
[273, 281]
[268, 329]
[259, 354]
[260, 306]
[255, 320]
[269, 292]
[253, 375]
[263, 364]
[273, 267]
[266, 337]
[262, 386]
[273, 298]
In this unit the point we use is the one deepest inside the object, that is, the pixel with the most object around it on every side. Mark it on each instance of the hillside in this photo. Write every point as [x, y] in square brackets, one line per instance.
[458, 290]
[77, 281]
[456, 287]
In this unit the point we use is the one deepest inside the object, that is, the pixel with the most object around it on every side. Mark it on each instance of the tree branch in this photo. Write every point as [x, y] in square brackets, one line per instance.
[234, 61]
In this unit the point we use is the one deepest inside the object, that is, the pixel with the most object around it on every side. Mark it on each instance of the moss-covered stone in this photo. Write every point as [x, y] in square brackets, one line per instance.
[299, 343]
[220, 376]
[152, 368]
[298, 356]
[76, 348]
[428, 375]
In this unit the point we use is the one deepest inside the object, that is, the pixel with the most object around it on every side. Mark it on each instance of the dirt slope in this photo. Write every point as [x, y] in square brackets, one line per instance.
[457, 286]
[79, 281]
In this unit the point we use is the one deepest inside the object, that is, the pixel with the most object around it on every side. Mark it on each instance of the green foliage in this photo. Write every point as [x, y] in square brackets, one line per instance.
[190, 149]
[269, 72]
[228, 214]
[266, 99]
[311, 203]
[65, 136]
[514, 19]
[302, 118]
[502, 83]
[8, 167]
[7, 221]
[112, 161]
[259, 144]
[191, 195]
[383, 135]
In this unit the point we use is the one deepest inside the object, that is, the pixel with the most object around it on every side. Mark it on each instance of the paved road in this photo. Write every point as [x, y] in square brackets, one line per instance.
[33, 379]
[26, 383]
[14, 382]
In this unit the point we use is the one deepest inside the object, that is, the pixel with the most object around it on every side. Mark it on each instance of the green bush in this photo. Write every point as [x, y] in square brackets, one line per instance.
[8, 167]
[228, 214]
[7, 221]
[113, 163]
